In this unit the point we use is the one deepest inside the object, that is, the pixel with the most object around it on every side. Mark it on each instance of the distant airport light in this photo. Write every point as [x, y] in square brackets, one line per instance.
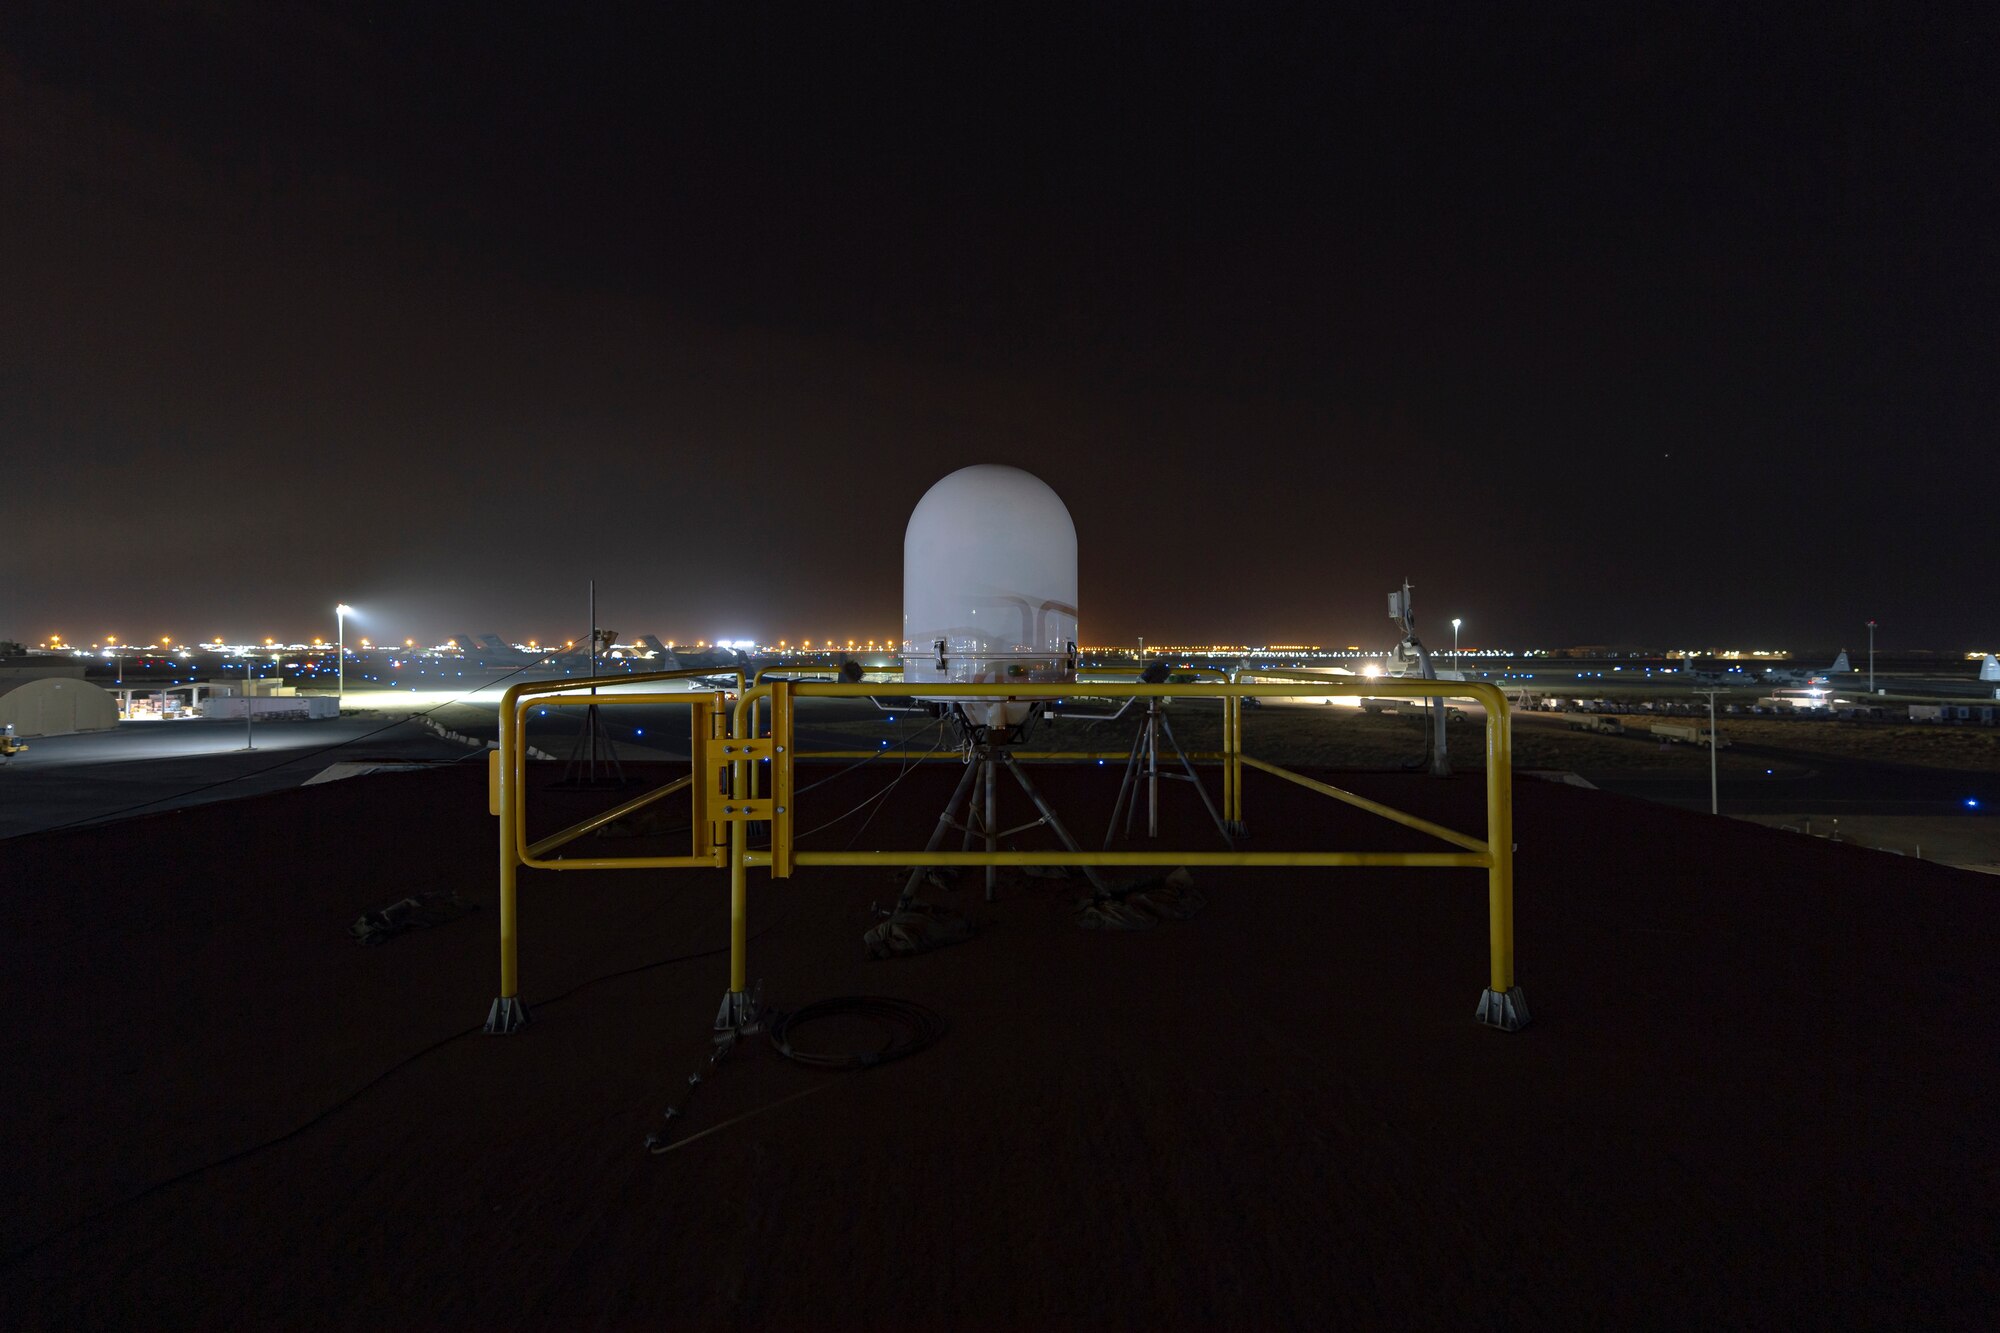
[1972, 802]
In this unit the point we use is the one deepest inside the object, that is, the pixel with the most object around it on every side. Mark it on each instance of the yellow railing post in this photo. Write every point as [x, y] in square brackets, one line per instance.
[1502, 1005]
[738, 1015]
[739, 869]
[507, 1014]
[782, 784]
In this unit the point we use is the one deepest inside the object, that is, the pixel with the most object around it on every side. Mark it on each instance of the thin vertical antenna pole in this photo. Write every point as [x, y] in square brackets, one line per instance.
[1714, 744]
[590, 718]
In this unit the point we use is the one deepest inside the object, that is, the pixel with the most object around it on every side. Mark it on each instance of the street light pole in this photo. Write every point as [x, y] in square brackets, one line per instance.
[1455, 623]
[1871, 657]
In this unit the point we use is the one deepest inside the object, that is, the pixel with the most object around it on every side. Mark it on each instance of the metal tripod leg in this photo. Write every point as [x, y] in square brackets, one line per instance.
[1146, 744]
[1207, 802]
[1124, 789]
[1042, 808]
[1153, 719]
[944, 825]
[992, 824]
[982, 815]
[970, 825]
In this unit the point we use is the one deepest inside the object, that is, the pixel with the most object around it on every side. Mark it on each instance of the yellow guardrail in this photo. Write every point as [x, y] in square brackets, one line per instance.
[725, 798]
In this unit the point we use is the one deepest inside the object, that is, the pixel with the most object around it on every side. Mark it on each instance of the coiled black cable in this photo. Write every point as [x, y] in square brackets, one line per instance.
[907, 1028]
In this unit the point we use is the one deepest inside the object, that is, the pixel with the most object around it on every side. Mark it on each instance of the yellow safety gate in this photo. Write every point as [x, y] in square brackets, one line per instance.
[727, 753]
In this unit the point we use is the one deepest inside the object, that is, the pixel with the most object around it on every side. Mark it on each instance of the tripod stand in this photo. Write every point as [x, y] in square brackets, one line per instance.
[978, 795]
[585, 768]
[1146, 747]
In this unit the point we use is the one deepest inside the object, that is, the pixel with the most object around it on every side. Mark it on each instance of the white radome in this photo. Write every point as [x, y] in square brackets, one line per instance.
[989, 587]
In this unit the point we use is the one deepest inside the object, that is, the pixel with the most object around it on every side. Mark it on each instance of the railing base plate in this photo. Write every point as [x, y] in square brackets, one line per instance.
[1506, 1010]
[741, 1015]
[507, 1016]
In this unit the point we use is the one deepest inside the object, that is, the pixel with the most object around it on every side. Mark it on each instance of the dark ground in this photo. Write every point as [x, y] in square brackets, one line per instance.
[1757, 1092]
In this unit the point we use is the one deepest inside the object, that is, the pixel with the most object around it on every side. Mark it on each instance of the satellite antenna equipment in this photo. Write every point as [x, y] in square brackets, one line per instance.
[989, 592]
[989, 597]
[1402, 610]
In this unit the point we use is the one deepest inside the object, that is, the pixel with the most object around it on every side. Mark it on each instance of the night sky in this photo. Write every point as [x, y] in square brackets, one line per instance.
[1603, 323]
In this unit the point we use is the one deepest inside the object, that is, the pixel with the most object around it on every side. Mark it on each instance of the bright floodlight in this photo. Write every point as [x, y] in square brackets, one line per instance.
[989, 586]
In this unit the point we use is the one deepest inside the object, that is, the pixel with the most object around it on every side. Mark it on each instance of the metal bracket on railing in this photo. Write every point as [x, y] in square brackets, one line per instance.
[733, 809]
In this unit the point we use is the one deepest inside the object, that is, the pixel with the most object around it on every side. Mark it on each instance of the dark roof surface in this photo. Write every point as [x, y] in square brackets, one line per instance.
[1758, 1088]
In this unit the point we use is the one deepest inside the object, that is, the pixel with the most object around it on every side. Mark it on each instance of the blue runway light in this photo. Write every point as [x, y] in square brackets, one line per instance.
[640, 732]
[1972, 802]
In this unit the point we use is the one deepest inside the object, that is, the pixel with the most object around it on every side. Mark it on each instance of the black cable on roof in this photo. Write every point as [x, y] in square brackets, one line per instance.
[907, 1028]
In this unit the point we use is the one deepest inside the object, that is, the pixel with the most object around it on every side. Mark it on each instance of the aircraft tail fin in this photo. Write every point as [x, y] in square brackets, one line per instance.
[1840, 663]
[1990, 668]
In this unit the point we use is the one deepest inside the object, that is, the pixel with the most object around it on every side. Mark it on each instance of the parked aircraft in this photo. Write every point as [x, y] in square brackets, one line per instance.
[1806, 676]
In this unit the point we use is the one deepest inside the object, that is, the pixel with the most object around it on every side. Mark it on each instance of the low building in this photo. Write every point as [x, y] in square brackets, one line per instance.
[282, 708]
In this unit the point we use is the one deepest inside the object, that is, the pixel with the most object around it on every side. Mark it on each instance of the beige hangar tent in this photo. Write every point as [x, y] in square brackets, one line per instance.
[54, 705]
